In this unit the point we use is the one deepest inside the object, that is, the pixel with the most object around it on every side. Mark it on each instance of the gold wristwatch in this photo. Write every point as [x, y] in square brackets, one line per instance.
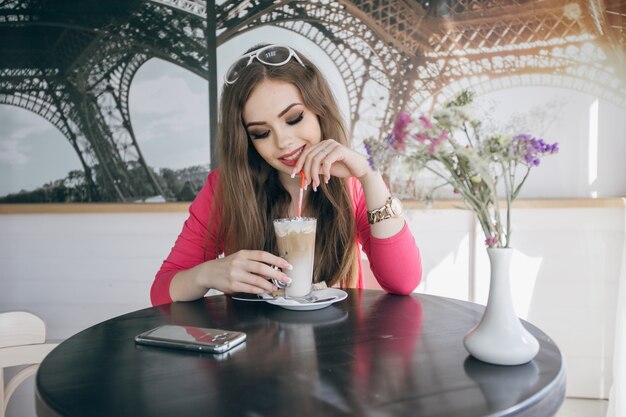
[392, 208]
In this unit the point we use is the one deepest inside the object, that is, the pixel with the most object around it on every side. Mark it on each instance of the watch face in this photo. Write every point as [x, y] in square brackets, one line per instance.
[396, 206]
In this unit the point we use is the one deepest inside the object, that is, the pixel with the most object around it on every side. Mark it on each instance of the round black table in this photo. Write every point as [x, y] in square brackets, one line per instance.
[373, 354]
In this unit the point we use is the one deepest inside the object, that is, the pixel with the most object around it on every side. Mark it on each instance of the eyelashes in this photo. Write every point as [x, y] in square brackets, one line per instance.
[296, 120]
[266, 133]
[259, 135]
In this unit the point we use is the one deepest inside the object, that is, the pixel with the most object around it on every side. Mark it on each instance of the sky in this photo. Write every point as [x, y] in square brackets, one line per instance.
[169, 113]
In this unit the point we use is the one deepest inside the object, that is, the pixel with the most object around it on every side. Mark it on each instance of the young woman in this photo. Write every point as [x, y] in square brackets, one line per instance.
[278, 117]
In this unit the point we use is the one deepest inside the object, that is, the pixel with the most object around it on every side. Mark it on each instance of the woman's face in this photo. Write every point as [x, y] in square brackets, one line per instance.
[279, 125]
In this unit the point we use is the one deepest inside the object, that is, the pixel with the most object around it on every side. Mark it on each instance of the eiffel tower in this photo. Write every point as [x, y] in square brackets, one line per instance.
[73, 62]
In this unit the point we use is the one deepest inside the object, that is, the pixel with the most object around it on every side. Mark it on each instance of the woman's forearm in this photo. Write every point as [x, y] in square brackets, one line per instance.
[376, 195]
[185, 285]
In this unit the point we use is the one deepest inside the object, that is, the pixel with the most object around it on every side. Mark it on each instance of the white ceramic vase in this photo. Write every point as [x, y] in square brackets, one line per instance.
[500, 338]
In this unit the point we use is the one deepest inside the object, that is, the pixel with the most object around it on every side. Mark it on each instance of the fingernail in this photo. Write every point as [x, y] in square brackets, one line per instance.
[314, 188]
[305, 186]
[327, 179]
[289, 267]
[287, 280]
[293, 174]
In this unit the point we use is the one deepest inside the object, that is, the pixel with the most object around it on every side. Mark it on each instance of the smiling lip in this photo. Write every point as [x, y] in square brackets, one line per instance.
[291, 159]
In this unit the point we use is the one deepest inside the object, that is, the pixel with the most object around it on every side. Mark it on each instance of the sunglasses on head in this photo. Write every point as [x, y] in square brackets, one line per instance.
[273, 55]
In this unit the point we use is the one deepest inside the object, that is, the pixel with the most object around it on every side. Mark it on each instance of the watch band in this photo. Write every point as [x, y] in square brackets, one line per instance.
[385, 212]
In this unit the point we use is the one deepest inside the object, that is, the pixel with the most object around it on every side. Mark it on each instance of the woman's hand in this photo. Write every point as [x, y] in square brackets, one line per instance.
[246, 271]
[330, 158]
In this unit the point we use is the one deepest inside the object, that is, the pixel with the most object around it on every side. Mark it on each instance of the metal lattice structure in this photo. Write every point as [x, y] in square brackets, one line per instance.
[405, 55]
[392, 56]
[73, 62]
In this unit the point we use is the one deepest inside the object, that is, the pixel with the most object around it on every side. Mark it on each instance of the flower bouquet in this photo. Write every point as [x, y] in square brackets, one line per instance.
[477, 165]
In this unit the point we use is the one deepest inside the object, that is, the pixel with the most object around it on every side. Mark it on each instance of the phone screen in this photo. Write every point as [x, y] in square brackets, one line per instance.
[191, 338]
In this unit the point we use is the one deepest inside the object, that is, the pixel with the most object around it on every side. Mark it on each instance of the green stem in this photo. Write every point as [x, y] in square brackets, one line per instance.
[458, 183]
[507, 188]
[469, 139]
[519, 187]
[474, 204]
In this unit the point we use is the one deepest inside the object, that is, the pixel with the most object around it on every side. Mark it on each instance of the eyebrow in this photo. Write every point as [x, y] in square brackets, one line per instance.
[279, 115]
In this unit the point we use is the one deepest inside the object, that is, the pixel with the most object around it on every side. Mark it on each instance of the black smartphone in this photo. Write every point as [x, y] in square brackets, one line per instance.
[191, 338]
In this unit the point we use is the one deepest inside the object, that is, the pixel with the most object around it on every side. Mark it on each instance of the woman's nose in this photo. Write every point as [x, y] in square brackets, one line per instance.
[283, 139]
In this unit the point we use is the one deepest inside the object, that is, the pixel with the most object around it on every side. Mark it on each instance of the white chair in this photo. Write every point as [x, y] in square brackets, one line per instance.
[22, 342]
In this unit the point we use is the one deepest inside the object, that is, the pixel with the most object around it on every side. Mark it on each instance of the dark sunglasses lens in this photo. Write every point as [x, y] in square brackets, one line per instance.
[277, 55]
[235, 69]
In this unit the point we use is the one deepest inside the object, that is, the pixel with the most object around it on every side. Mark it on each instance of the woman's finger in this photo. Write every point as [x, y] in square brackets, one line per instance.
[268, 272]
[301, 160]
[267, 258]
[316, 163]
[259, 282]
[313, 161]
[303, 163]
[240, 286]
[335, 154]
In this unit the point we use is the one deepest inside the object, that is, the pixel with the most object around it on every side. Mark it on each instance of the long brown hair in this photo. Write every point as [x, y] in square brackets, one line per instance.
[253, 196]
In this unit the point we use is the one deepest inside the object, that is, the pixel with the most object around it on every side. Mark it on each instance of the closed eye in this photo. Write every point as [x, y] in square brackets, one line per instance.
[259, 135]
[296, 120]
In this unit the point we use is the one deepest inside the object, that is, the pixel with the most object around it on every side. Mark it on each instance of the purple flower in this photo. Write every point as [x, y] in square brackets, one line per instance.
[377, 153]
[426, 122]
[532, 149]
[554, 148]
[399, 132]
[370, 158]
[435, 142]
[491, 241]
[421, 137]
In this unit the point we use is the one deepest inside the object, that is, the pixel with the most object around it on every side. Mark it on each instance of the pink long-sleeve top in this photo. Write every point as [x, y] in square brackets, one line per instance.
[395, 261]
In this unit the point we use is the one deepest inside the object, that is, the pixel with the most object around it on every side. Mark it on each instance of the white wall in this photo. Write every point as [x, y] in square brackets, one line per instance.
[75, 270]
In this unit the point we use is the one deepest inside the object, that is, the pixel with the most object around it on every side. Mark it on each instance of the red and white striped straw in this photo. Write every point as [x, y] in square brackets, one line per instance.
[302, 182]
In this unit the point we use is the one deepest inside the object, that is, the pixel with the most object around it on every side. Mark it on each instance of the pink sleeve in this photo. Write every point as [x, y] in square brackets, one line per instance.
[395, 261]
[194, 244]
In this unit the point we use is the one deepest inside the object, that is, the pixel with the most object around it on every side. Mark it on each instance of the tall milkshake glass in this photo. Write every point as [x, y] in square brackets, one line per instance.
[296, 243]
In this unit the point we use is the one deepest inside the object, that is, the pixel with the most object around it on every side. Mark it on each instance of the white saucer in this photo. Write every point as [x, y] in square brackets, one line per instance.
[320, 294]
